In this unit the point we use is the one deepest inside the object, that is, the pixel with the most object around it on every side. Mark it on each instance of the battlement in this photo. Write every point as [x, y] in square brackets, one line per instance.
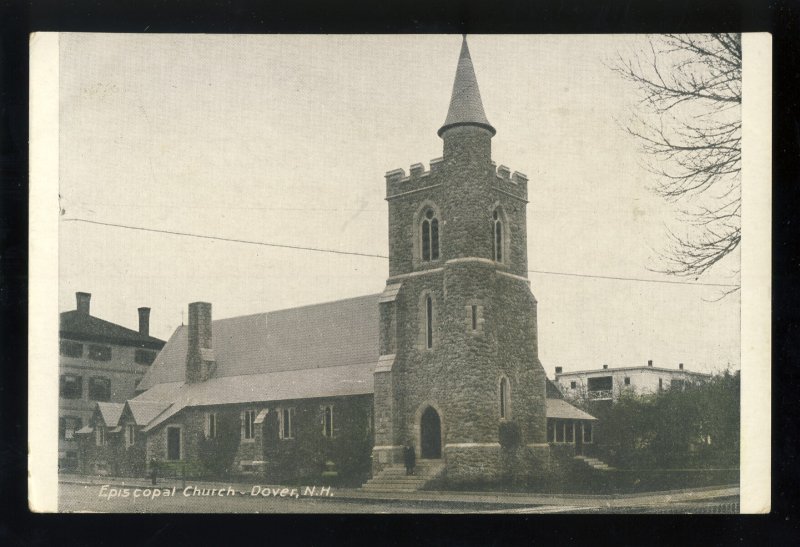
[515, 183]
[397, 182]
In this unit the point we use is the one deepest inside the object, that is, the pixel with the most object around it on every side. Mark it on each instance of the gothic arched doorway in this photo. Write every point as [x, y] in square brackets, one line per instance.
[430, 429]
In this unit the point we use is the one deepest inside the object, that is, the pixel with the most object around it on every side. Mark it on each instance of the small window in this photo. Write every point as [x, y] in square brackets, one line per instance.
[67, 426]
[573, 384]
[286, 419]
[99, 353]
[211, 425]
[660, 384]
[71, 349]
[130, 435]
[474, 309]
[587, 432]
[71, 386]
[99, 389]
[327, 421]
[627, 381]
[497, 236]
[174, 447]
[428, 322]
[100, 435]
[145, 357]
[430, 236]
[248, 427]
[505, 398]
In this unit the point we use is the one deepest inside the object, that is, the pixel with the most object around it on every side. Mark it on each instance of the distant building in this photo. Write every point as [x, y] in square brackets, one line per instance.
[99, 361]
[606, 384]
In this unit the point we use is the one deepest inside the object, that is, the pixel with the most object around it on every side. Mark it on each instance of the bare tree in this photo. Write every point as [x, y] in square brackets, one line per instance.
[688, 123]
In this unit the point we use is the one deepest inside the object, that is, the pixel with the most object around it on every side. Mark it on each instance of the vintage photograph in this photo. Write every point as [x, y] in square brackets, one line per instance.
[400, 274]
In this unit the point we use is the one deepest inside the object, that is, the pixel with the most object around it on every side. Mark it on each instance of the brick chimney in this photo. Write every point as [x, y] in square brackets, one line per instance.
[649, 362]
[83, 299]
[144, 321]
[605, 367]
[199, 354]
[559, 370]
[680, 366]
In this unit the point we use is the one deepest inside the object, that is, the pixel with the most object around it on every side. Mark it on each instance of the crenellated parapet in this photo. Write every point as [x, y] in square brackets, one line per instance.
[397, 182]
[515, 183]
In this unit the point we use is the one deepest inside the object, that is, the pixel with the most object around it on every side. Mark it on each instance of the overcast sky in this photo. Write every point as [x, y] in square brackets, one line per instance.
[285, 139]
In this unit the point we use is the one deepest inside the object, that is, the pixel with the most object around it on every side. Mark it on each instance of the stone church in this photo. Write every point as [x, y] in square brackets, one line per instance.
[445, 358]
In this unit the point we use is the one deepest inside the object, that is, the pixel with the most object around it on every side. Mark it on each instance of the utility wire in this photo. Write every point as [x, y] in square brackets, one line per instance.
[370, 255]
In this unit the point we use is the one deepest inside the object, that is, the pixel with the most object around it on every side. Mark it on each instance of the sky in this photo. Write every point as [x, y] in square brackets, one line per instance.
[286, 139]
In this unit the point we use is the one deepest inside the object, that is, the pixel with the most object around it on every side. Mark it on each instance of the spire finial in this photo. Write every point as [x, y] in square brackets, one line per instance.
[466, 107]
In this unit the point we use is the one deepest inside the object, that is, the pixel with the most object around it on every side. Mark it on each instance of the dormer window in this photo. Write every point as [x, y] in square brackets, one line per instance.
[430, 236]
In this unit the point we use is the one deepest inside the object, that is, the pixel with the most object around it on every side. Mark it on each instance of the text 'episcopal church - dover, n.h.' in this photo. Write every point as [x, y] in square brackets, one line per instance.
[445, 358]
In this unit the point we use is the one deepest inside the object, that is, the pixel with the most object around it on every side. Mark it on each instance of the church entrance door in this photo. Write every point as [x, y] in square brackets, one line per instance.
[430, 434]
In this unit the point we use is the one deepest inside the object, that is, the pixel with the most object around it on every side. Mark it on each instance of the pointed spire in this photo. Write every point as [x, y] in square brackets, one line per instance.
[466, 107]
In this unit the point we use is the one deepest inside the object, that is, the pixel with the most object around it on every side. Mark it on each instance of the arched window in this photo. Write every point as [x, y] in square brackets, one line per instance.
[428, 322]
[430, 236]
[505, 398]
[497, 236]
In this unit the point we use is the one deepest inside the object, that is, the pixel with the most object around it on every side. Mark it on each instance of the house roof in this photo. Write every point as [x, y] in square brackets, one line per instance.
[559, 408]
[77, 325]
[602, 371]
[334, 381]
[552, 391]
[144, 411]
[110, 413]
[332, 334]
[466, 107]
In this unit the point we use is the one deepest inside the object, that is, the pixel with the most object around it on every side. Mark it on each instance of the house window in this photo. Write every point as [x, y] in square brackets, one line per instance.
[286, 425]
[99, 389]
[573, 384]
[99, 353]
[211, 425]
[497, 236]
[327, 421]
[100, 435]
[505, 398]
[248, 427]
[627, 381]
[559, 431]
[660, 384]
[588, 436]
[71, 349]
[428, 322]
[71, 386]
[144, 357]
[570, 431]
[430, 236]
[551, 431]
[474, 310]
[174, 448]
[67, 426]
[130, 435]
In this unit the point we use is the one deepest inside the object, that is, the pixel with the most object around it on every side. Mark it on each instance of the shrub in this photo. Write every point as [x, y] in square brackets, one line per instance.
[509, 435]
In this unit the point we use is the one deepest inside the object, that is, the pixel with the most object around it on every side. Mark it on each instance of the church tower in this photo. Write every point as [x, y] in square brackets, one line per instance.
[459, 353]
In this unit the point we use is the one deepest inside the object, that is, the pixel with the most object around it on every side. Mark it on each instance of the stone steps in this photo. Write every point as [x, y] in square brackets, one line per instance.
[594, 463]
[394, 478]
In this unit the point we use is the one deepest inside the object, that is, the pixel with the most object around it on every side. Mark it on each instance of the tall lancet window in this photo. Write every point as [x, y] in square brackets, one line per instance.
[430, 236]
[497, 240]
[505, 399]
[428, 322]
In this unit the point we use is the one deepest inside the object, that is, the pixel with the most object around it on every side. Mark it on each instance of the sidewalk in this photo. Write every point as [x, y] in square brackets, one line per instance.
[499, 499]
